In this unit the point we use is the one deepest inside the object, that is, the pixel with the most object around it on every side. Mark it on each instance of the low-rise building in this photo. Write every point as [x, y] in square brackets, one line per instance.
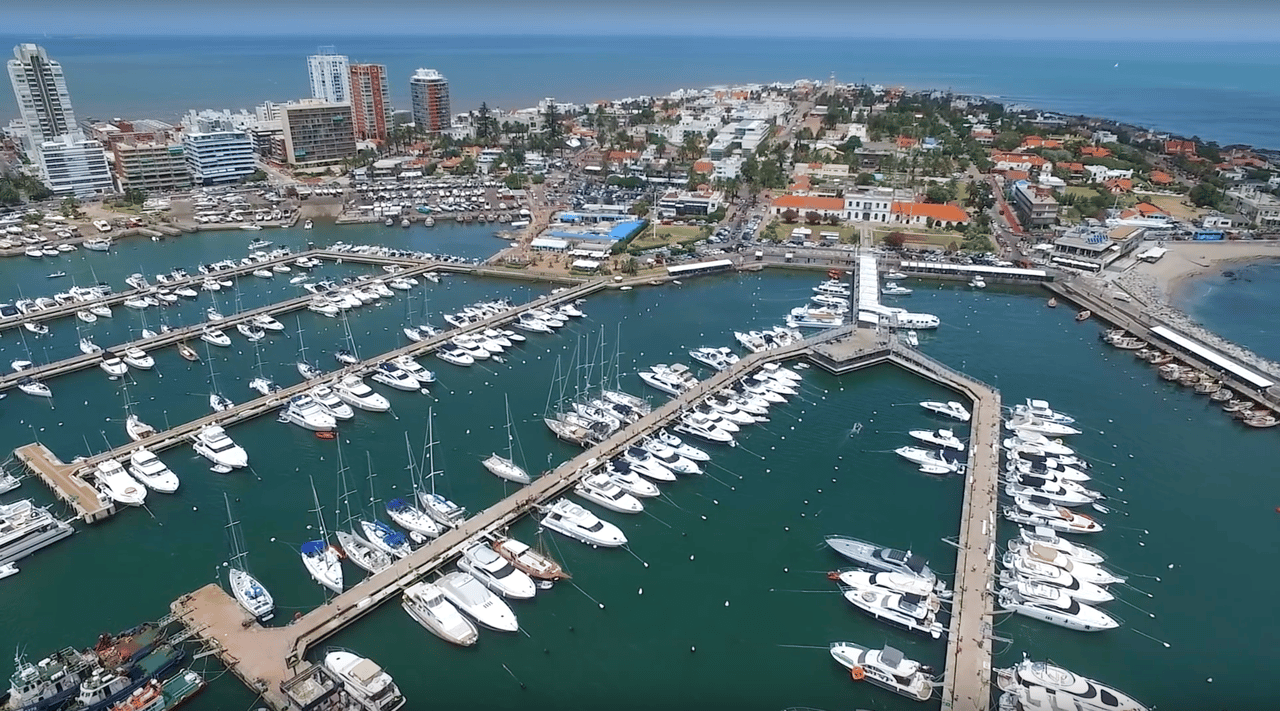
[1036, 206]
[924, 214]
[1093, 249]
[869, 205]
[219, 157]
[75, 165]
[1101, 173]
[802, 205]
[1177, 147]
[1262, 209]
[684, 202]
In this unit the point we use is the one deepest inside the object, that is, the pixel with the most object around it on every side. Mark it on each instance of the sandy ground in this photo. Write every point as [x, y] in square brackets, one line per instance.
[1187, 260]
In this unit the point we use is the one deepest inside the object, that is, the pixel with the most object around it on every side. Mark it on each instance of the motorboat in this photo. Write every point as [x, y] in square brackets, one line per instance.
[780, 372]
[833, 286]
[86, 316]
[527, 322]
[137, 358]
[426, 603]
[100, 310]
[212, 443]
[1035, 511]
[886, 668]
[308, 371]
[941, 438]
[474, 600]
[889, 560]
[323, 308]
[385, 538]
[953, 409]
[34, 387]
[136, 428]
[137, 302]
[113, 366]
[642, 462]
[357, 393]
[212, 314]
[934, 459]
[1023, 567]
[687, 451]
[715, 358]
[88, 347]
[905, 583]
[670, 458]
[727, 410]
[915, 613]
[1035, 425]
[147, 468]
[1040, 409]
[391, 375]
[1046, 467]
[978, 282]
[571, 520]
[37, 328]
[496, 573]
[698, 425]
[670, 379]
[116, 483]
[251, 332]
[20, 365]
[600, 489]
[456, 356]
[893, 288]
[1048, 538]
[215, 337]
[412, 519]
[1047, 486]
[1072, 691]
[1048, 604]
[1085, 572]
[263, 273]
[527, 560]
[1036, 443]
[365, 681]
[329, 400]
[443, 510]
[266, 323]
[264, 386]
[308, 414]
[620, 473]
[413, 333]
[219, 402]
[411, 366]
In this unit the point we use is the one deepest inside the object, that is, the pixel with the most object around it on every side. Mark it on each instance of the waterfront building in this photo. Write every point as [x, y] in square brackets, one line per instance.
[869, 205]
[330, 76]
[1036, 206]
[150, 165]
[74, 165]
[923, 214]
[802, 205]
[370, 101]
[684, 202]
[317, 133]
[1260, 208]
[218, 157]
[429, 92]
[1092, 249]
[40, 89]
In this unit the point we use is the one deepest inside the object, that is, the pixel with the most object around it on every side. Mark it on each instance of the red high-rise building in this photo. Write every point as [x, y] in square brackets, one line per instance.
[370, 101]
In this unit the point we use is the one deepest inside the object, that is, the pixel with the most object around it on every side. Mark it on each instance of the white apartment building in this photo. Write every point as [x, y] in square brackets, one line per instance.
[218, 157]
[74, 165]
[1259, 208]
[40, 89]
[330, 75]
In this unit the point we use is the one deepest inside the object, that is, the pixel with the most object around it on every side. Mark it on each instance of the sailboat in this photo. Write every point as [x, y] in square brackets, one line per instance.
[261, 384]
[133, 426]
[358, 550]
[506, 467]
[305, 369]
[318, 556]
[250, 593]
[438, 507]
[379, 534]
[347, 355]
[407, 515]
[217, 400]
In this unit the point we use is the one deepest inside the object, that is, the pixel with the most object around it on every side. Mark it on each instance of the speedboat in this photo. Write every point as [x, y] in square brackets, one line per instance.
[329, 400]
[1085, 572]
[88, 347]
[716, 358]
[251, 332]
[456, 356]
[390, 374]
[34, 387]
[136, 428]
[889, 560]
[1048, 538]
[371, 687]
[1072, 690]
[886, 668]
[357, 393]
[1035, 425]
[385, 538]
[571, 520]
[138, 358]
[670, 458]
[212, 443]
[322, 563]
[1023, 567]
[1040, 409]
[600, 489]
[495, 573]
[414, 368]
[528, 322]
[893, 288]
[116, 483]
[1048, 604]
[687, 451]
[147, 468]
[474, 600]
[412, 519]
[425, 602]
[952, 409]
[113, 366]
[642, 462]
[914, 613]
[441, 509]
[527, 560]
[215, 337]
[620, 473]
[934, 460]
[941, 438]
[306, 413]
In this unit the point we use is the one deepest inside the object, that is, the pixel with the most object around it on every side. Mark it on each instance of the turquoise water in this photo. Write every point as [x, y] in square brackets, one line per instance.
[1225, 92]
[766, 505]
[1237, 307]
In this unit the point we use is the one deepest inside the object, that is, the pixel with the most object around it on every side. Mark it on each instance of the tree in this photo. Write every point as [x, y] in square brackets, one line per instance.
[866, 179]
[938, 195]
[1205, 195]
[640, 208]
[485, 128]
[514, 181]
[135, 196]
[630, 266]
[895, 240]
[812, 217]
[789, 216]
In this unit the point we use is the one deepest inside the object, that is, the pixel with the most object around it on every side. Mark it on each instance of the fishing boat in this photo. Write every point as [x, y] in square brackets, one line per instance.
[571, 520]
[536, 564]
[476, 601]
[426, 603]
[251, 594]
[496, 573]
[887, 668]
[366, 682]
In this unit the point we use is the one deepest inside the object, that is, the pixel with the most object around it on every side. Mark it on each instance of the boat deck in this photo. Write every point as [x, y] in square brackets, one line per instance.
[61, 478]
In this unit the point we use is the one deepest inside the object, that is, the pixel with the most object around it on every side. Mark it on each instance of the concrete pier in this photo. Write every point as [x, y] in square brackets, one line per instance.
[61, 479]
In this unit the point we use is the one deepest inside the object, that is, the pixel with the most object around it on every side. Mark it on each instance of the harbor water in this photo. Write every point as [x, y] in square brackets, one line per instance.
[722, 595]
[1235, 301]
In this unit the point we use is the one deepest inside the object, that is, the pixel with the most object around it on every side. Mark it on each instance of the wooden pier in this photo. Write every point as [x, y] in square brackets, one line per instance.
[61, 478]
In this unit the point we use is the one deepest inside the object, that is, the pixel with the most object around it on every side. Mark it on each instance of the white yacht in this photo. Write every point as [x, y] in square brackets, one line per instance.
[415, 369]
[1060, 518]
[426, 603]
[815, 317]
[1047, 537]
[1049, 604]
[308, 414]
[88, 347]
[356, 393]
[941, 438]
[670, 458]
[138, 358]
[687, 451]
[1086, 572]
[474, 600]
[1053, 491]
[886, 668]
[251, 332]
[1040, 409]
[953, 409]
[441, 509]
[1044, 468]
[391, 375]
[116, 483]
[889, 560]
[1072, 691]
[212, 443]
[893, 288]
[670, 379]
[1035, 425]
[332, 404]
[113, 366]
[494, 572]
[600, 489]
[914, 613]
[1021, 567]
[728, 410]
[640, 461]
[456, 356]
[26, 528]
[147, 468]
[620, 473]
[215, 337]
[266, 323]
[136, 428]
[366, 682]
[1036, 444]
[34, 387]
[715, 358]
[571, 520]
[699, 425]
[905, 583]
[978, 282]
[628, 400]
[86, 316]
[930, 460]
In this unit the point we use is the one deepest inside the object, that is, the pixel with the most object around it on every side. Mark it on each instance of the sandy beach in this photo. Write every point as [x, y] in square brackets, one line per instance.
[1187, 260]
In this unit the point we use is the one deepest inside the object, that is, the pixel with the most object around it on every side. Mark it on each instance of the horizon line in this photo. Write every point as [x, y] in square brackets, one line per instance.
[37, 35]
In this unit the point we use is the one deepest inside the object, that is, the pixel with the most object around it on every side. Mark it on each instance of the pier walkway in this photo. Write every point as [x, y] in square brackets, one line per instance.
[61, 479]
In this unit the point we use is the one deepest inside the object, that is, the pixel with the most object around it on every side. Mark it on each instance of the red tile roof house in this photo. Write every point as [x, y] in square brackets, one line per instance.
[803, 204]
[921, 213]
[1180, 148]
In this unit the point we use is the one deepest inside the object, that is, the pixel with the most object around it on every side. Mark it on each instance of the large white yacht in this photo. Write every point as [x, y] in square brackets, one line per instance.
[620, 473]
[425, 602]
[138, 358]
[952, 409]
[306, 413]
[915, 613]
[600, 489]
[571, 520]
[332, 404]
[1018, 567]
[26, 528]
[1035, 511]
[687, 451]
[116, 483]
[1035, 425]
[932, 461]
[391, 375]
[212, 443]
[365, 681]
[640, 461]
[1072, 690]
[147, 468]
[889, 560]
[670, 458]
[940, 438]
[698, 425]
[897, 582]
[1052, 491]
[1047, 537]
[477, 602]
[670, 379]
[1041, 410]
[1049, 604]
[357, 393]
[494, 572]
[715, 358]
[886, 668]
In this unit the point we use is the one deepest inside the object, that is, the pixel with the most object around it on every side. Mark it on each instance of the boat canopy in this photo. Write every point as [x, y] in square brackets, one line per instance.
[313, 547]
[891, 657]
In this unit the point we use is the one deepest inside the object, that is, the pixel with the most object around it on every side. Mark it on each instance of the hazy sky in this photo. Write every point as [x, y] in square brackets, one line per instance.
[1140, 20]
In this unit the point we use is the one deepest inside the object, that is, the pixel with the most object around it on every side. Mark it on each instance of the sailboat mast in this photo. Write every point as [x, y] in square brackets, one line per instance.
[236, 553]
[324, 535]
[413, 476]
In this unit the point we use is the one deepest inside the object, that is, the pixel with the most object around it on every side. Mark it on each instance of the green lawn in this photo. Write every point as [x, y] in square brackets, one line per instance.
[922, 238]
[666, 235]
[1081, 191]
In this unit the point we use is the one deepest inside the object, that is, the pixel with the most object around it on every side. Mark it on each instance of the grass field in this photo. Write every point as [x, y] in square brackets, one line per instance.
[1174, 205]
[923, 238]
[666, 235]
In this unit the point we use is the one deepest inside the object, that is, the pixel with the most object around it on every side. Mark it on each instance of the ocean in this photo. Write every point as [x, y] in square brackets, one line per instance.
[722, 600]
[1237, 302]
[1226, 92]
